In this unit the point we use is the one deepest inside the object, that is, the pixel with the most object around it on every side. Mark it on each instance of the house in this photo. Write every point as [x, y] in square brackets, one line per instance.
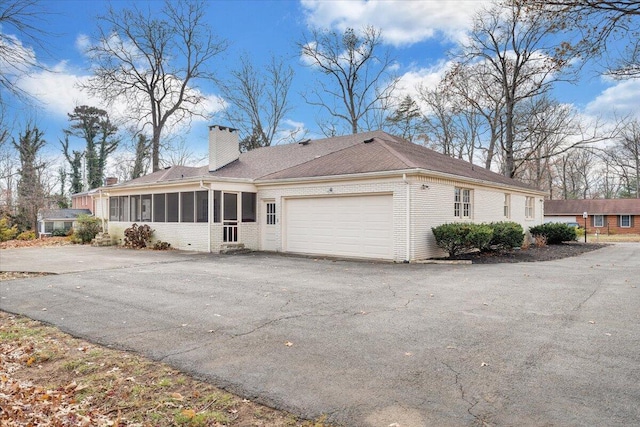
[50, 220]
[605, 216]
[370, 195]
[93, 199]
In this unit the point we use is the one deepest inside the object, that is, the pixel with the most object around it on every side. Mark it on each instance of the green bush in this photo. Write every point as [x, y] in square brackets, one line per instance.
[87, 228]
[59, 232]
[506, 235]
[456, 238]
[6, 232]
[27, 235]
[555, 233]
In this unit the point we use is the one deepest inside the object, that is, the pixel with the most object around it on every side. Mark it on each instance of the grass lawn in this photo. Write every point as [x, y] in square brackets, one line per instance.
[611, 238]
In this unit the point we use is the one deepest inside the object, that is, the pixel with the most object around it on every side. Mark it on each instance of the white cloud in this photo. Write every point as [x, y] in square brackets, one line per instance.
[82, 42]
[402, 22]
[619, 100]
[427, 78]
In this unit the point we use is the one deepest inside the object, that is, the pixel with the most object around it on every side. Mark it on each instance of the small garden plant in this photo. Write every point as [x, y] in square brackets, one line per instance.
[87, 228]
[460, 237]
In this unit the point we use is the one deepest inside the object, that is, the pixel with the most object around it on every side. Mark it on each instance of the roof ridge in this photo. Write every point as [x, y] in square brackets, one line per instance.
[311, 160]
[394, 152]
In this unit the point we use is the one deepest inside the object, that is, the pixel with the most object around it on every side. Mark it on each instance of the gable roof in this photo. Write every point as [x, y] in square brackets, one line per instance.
[375, 151]
[592, 207]
[53, 214]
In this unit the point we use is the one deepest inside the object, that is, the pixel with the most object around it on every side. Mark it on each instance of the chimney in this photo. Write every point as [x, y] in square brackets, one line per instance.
[110, 180]
[224, 146]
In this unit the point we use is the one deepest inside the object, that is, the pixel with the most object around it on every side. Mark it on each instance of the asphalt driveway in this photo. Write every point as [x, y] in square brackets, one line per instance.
[368, 344]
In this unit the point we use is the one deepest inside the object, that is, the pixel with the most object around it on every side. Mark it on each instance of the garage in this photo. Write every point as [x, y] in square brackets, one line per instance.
[354, 226]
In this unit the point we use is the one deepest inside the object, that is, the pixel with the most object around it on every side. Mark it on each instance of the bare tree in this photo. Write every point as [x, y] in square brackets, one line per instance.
[24, 17]
[521, 57]
[625, 155]
[598, 26]
[153, 62]
[407, 120]
[259, 100]
[357, 81]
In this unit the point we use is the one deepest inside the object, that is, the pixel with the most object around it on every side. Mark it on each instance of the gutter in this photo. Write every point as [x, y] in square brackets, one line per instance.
[408, 218]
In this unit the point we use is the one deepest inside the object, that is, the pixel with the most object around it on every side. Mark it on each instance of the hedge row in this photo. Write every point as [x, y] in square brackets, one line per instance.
[459, 237]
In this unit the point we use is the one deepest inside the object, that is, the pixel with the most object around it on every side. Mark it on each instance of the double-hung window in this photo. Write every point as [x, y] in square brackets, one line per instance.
[507, 206]
[625, 221]
[462, 203]
[598, 220]
[529, 208]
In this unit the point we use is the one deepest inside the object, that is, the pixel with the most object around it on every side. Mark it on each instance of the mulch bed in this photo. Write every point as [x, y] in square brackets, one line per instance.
[532, 254]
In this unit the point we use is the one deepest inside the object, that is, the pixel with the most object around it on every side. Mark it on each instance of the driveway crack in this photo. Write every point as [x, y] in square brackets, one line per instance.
[472, 403]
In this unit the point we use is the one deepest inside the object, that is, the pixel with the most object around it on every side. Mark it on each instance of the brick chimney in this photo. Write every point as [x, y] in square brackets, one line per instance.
[224, 146]
[111, 180]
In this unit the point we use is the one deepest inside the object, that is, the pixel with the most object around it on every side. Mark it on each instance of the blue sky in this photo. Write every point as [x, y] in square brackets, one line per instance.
[418, 33]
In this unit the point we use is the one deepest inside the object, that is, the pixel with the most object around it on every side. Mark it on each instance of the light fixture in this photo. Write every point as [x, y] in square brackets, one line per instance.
[424, 186]
[331, 190]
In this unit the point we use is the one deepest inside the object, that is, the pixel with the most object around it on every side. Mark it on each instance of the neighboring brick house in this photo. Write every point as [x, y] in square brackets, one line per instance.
[606, 216]
[370, 195]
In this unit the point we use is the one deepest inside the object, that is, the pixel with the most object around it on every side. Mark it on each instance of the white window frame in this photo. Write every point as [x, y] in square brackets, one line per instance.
[628, 221]
[507, 206]
[530, 207]
[599, 223]
[462, 202]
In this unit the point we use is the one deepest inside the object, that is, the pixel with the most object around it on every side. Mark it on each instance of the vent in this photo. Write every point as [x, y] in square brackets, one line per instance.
[305, 142]
[366, 141]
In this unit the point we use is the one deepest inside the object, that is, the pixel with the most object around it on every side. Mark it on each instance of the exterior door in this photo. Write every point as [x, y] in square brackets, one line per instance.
[269, 221]
[230, 217]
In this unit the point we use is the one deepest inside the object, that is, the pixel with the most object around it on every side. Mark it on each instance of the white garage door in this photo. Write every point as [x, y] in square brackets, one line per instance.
[358, 226]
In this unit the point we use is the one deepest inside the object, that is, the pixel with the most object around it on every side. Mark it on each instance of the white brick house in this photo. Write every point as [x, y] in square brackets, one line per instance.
[370, 195]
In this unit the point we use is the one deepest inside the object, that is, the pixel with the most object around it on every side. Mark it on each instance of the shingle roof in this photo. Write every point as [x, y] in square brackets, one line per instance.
[592, 207]
[341, 155]
[51, 214]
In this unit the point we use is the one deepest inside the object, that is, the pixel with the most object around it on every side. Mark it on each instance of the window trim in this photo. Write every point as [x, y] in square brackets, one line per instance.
[530, 207]
[506, 210]
[628, 216]
[462, 203]
[595, 221]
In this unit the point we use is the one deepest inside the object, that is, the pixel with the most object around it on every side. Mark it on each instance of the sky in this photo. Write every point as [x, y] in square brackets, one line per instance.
[418, 33]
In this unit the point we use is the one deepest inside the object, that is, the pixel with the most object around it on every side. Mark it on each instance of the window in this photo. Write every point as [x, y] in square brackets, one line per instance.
[48, 227]
[113, 208]
[529, 208]
[135, 208]
[230, 206]
[462, 203]
[625, 221]
[68, 225]
[172, 207]
[507, 206]
[216, 206]
[598, 220]
[271, 213]
[202, 206]
[158, 208]
[248, 207]
[186, 207]
[145, 207]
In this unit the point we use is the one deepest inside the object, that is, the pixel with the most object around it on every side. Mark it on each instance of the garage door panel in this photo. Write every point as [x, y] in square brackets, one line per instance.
[358, 226]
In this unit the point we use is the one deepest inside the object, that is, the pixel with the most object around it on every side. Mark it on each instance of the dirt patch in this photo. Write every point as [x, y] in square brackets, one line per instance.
[48, 378]
[532, 254]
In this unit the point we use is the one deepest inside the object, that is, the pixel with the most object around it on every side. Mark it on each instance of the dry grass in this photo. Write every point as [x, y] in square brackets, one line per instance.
[613, 238]
[48, 378]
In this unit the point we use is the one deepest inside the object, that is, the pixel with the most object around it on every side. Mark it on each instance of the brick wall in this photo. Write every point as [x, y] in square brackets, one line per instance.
[610, 225]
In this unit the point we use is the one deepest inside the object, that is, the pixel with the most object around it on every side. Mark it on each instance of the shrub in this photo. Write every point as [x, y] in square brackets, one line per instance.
[59, 232]
[506, 235]
[87, 227]
[161, 246]
[27, 235]
[456, 238]
[554, 233]
[137, 236]
[6, 232]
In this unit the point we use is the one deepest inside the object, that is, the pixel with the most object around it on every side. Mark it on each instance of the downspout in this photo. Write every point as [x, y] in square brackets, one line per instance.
[408, 218]
[209, 214]
[101, 211]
